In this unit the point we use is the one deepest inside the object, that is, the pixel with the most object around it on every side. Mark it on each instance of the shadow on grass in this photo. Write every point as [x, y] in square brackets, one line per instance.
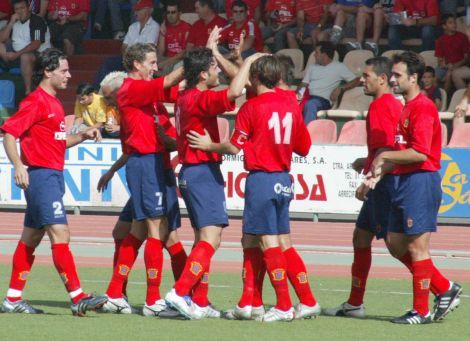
[53, 304]
[381, 318]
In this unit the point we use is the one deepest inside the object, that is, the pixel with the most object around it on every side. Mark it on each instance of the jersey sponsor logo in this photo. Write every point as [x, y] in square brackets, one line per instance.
[302, 278]
[23, 275]
[409, 222]
[399, 139]
[424, 284]
[278, 275]
[195, 268]
[152, 273]
[63, 277]
[60, 135]
[123, 270]
[284, 190]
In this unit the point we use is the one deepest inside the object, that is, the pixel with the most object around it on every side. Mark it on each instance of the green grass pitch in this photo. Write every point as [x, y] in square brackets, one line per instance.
[385, 299]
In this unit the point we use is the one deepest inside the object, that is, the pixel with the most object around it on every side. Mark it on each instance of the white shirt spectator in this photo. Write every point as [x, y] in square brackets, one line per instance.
[322, 80]
[35, 28]
[149, 33]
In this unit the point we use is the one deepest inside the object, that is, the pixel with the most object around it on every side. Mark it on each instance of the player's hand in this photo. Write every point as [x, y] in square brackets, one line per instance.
[198, 141]
[14, 18]
[361, 192]
[21, 177]
[376, 167]
[358, 164]
[92, 134]
[104, 180]
[237, 52]
[214, 37]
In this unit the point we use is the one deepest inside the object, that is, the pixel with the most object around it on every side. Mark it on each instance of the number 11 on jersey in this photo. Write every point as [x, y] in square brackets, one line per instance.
[275, 123]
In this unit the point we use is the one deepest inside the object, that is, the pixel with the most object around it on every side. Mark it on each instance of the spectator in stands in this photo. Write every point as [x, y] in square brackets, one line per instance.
[39, 7]
[90, 109]
[311, 17]
[144, 30]
[108, 89]
[323, 80]
[429, 88]
[174, 34]
[5, 11]
[24, 36]
[420, 22]
[230, 37]
[68, 23]
[201, 29]
[374, 16]
[452, 52]
[253, 13]
[113, 7]
[280, 18]
[462, 110]
[345, 13]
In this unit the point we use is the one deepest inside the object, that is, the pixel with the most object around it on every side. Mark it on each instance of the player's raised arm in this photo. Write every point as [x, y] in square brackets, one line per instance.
[241, 79]
[90, 134]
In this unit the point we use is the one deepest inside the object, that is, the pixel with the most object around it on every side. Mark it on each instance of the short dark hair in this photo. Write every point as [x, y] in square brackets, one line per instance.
[413, 61]
[208, 3]
[287, 66]
[172, 3]
[446, 16]
[430, 69]
[48, 60]
[382, 66]
[327, 47]
[267, 70]
[136, 53]
[239, 3]
[195, 62]
[85, 89]
[14, 2]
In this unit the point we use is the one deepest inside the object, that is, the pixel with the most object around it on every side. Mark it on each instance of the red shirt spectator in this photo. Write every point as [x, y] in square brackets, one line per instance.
[69, 8]
[200, 31]
[284, 10]
[231, 35]
[252, 6]
[452, 48]
[5, 8]
[417, 8]
[313, 10]
[175, 38]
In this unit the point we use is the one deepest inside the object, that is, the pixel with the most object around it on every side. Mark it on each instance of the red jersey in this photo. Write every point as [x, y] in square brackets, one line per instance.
[5, 7]
[313, 10]
[269, 127]
[197, 110]
[40, 126]
[231, 35]
[164, 121]
[176, 38]
[284, 10]
[452, 48]
[69, 8]
[137, 103]
[200, 32]
[381, 125]
[252, 5]
[419, 128]
[417, 8]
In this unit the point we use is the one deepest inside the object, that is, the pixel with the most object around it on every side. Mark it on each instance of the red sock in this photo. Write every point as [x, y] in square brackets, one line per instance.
[178, 259]
[65, 265]
[201, 290]
[276, 265]
[248, 276]
[259, 271]
[406, 260]
[197, 263]
[422, 273]
[153, 256]
[297, 274]
[117, 245]
[127, 254]
[359, 274]
[23, 259]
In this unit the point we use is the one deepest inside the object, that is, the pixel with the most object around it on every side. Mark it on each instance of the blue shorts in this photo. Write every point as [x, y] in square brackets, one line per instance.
[126, 213]
[267, 200]
[202, 188]
[415, 201]
[375, 211]
[146, 180]
[44, 205]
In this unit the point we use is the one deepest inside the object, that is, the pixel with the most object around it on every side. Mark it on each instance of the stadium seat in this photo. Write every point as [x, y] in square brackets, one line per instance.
[297, 57]
[7, 94]
[354, 133]
[444, 134]
[355, 60]
[224, 129]
[412, 42]
[352, 104]
[429, 58]
[443, 100]
[322, 131]
[190, 18]
[390, 53]
[69, 119]
[446, 115]
[460, 136]
[311, 60]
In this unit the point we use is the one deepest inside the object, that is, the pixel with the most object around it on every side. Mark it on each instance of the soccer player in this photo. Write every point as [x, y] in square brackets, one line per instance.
[40, 127]
[269, 127]
[200, 180]
[416, 192]
[381, 123]
[145, 175]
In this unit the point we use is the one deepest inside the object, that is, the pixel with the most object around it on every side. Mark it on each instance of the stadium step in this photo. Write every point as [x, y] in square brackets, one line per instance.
[91, 62]
[102, 46]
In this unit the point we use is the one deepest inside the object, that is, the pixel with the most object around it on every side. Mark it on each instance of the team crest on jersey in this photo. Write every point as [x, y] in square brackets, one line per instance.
[123, 270]
[409, 222]
[152, 273]
[356, 282]
[302, 278]
[63, 277]
[205, 278]
[278, 274]
[424, 284]
[195, 268]
[23, 275]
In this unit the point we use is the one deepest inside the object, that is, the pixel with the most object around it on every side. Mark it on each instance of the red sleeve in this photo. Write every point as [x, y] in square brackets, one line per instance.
[398, 6]
[439, 50]
[423, 128]
[214, 103]
[302, 142]
[143, 92]
[194, 31]
[243, 128]
[382, 127]
[164, 121]
[171, 94]
[27, 115]
[269, 7]
[432, 8]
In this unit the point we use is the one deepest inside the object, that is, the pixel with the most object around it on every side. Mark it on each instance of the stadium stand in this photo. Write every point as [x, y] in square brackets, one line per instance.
[389, 53]
[297, 57]
[190, 18]
[352, 105]
[443, 99]
[429, 58]
[311, 60]
[322, 131]
[353, 133]
[355, 60]
[456, 98]
[460, 136]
